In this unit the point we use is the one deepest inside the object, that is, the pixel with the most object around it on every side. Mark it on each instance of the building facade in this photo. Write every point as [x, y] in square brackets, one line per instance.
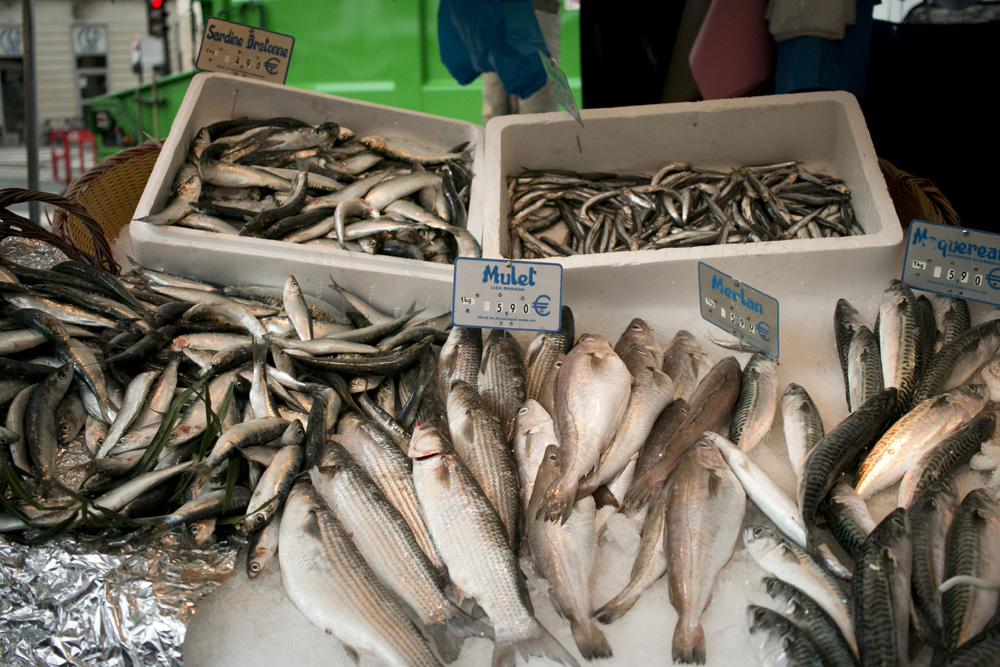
[83, 49]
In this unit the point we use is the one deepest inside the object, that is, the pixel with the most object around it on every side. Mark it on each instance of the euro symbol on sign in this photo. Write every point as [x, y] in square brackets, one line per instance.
[541, 305]
[271, 65]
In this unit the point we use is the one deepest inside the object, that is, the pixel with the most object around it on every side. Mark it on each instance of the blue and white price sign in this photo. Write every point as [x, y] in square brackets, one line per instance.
[954, 261]
[743, 311]
[507, 294]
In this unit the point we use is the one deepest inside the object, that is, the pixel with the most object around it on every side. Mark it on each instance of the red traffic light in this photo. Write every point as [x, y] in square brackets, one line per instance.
[155, 4]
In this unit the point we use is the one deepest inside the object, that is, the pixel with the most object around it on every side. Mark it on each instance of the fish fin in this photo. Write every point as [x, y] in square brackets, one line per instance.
[557, 503]
[689, 643]
[604, 497]
[352, 653]
[449, 635]
[590, 640]
[535, 640]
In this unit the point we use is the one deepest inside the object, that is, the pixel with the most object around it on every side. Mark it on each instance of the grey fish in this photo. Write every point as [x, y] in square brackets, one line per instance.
[813, 620]
[639, 333]
[478, 439]
[649, 565]
[544, 348]
[592, 393]
[40, 423]
[533, 433]
[475, 548]
[329, 581]
[387, 544]
[262, 546]
[953, 318]
[802, 424]
[757, 403]
[959, 359]
[778, 641]
[704, 508]
[502, 379]
[652, 391]
[390, 469]
[785, 560]
[881, 592]
[864, 367]
[298, 311]
[547, 392]
[460, 357]
[915, 432]
[841, 448]
[847, 517]
[972, 544]
[946, 456]
[270, 492]
[710, 407]
[686, 363]
[900, 340]
[846, 321]
[565, 554]
[187, 189]
[930, 516]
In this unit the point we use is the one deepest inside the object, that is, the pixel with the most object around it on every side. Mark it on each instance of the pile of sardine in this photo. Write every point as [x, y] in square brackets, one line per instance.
[560, 213]
[283, 179]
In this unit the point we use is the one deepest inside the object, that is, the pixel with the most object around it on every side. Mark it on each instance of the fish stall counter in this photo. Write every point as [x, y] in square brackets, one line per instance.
[253, 621]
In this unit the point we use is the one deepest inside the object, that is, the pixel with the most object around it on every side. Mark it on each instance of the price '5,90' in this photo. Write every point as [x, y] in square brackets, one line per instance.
[511, 308]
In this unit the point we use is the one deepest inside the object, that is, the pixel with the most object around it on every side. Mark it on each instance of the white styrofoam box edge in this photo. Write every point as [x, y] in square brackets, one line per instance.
[214, 97]
[712, 134]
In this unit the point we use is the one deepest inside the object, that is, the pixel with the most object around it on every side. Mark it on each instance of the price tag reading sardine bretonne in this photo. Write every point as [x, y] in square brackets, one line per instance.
[743, 311]
[507, 294]
[234, 48]
[954, 261]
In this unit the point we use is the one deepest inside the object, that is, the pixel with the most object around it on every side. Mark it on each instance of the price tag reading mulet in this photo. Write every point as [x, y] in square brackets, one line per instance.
[953, 261]
[739, 309]
[507, 294]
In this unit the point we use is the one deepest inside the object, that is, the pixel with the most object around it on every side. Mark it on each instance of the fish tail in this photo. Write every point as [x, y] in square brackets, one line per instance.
[557, 504]
[603, 496]
[534, 641]
[590, 640]
[689, 643]
[616, 607]
[636, 498]
[449, 634]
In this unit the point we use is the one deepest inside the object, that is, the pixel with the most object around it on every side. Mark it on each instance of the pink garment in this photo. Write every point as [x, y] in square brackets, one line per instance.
[733, 54]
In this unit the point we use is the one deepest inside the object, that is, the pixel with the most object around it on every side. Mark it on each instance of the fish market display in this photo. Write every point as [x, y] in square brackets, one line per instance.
[285, 180]
[375, 463]
[559, 213]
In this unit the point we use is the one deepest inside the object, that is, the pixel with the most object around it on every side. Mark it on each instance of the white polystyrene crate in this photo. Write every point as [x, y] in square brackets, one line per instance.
[824, 131]
[384, 281]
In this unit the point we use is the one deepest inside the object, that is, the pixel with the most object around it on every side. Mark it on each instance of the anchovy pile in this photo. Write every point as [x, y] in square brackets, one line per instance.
[283, 179]
[558, 213]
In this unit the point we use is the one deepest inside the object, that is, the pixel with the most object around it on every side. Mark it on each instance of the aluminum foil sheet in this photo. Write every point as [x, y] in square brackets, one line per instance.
[104, 600]
[31, 252]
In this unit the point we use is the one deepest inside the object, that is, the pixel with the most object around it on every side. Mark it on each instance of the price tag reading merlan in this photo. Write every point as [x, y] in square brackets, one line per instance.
[954, 261]
[234, 48]
[560, 87]
[743, 311]
[507, 294]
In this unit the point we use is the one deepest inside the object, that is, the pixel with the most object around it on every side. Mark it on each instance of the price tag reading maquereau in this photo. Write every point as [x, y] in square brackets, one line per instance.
[743, 311]
[234, 48]
[560, 87]
[953, 261]
[507, 294]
